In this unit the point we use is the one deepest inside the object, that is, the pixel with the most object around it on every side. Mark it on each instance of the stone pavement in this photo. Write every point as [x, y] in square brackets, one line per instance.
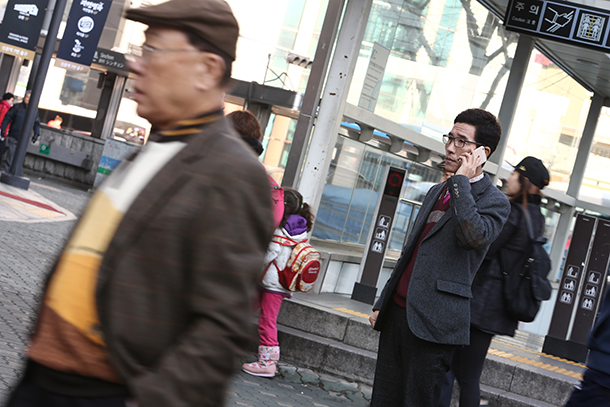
[31, 236]
[294, 387]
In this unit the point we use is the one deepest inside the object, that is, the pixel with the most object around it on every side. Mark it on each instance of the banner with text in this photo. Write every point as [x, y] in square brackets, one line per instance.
[83, 31]
[20, 29]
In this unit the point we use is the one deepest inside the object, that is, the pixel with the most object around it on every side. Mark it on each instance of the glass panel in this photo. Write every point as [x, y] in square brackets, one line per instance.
[438, 48]
[350, 195]
[551, 219]
[596, 186]
[276, 143]
[418, 181]
[266, 136]
[549, 121]
[364, 196]
[294, 11]
[286, 39]
[339, 189]
[402, 220]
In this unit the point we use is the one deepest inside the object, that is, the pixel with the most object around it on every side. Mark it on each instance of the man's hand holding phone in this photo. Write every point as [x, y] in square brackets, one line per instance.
[470, 162]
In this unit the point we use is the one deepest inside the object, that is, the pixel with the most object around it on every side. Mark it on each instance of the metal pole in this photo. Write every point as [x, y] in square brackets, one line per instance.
[311, 99]
[13, 176]
[326, 131]
[516, 78]
[584, 147]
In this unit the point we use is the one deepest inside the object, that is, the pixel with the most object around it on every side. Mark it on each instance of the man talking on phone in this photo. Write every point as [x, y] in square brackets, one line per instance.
[424, 309]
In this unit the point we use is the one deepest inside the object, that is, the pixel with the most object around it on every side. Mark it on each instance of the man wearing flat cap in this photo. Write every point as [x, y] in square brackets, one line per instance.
[149, 303]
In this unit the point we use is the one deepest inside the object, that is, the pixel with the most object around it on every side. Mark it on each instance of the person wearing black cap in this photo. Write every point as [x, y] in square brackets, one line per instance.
[149, 304]
[488, 316]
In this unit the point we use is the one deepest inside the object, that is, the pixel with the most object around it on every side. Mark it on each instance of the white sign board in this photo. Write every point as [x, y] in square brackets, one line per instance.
[374, 77]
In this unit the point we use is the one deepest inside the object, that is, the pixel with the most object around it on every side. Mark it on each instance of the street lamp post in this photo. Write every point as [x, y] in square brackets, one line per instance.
[14, 176]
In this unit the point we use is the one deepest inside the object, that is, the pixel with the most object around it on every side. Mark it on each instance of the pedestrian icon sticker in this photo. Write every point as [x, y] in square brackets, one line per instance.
[384, 222]
[573, 271]
[587, 304]
[377, 246]
[591, 291]
[381, 234]
[594, 277]
[566, 297]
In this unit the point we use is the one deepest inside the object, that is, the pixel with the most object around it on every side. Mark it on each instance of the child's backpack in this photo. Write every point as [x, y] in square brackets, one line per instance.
[302, 268]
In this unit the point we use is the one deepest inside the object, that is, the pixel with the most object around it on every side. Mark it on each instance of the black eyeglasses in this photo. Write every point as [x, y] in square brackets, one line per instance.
[458, 142]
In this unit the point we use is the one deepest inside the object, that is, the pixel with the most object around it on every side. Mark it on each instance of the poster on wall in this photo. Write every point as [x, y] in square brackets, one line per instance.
[83, 31]
[20, 29]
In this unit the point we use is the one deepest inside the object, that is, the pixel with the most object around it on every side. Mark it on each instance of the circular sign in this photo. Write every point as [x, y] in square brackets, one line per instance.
[85, 24]
[394, 180]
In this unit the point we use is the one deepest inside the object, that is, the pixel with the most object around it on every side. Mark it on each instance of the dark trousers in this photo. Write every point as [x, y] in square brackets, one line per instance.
[409, 370]
[30, 394]
[591, 393]
[11, 148]
[2, 151]
[466, 367]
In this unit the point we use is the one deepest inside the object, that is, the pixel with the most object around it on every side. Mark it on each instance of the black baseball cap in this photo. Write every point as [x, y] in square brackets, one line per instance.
[534, 170]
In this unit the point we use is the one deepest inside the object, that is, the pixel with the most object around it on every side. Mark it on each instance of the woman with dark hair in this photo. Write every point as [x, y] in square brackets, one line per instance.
[248, 127]
[488, 316]
[295, 225]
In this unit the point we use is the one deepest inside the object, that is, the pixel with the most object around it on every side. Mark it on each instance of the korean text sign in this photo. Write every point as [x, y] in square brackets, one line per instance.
[83, 30]
[20, 29]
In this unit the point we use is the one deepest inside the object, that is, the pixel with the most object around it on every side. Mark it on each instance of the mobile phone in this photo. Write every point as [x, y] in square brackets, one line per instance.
[480, 153]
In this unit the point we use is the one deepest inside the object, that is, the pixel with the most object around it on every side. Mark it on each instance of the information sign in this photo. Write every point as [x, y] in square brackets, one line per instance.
[377, 243]
[576, 24]
[593, 284]
[82, 34]
[20, 28]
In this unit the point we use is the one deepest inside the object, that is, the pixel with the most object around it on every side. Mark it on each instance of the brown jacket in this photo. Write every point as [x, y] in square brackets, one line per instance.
[175, 286]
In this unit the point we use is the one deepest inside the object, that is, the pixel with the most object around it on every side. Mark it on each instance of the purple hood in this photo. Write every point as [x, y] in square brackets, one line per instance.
[295, 225]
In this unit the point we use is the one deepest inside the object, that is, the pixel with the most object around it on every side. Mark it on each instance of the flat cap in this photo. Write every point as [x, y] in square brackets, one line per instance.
[211, 20]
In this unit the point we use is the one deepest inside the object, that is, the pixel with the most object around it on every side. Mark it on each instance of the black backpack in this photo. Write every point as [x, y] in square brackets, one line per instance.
[527, 286]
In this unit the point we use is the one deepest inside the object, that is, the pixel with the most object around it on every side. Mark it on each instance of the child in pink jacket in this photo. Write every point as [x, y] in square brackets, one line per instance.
[295, 225]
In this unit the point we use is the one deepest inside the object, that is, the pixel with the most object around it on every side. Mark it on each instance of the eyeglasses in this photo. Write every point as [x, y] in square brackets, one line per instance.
[149, 52]
[458, 142]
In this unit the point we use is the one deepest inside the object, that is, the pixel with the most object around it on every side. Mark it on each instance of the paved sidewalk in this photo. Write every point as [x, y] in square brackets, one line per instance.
[31, 236]
[294, 387]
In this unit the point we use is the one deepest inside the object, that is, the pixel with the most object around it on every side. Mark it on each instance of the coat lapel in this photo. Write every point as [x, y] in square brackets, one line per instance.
[422, 216]
[476, 190]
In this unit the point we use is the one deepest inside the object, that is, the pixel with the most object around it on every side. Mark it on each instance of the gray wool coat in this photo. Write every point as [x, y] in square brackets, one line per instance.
[438, 298]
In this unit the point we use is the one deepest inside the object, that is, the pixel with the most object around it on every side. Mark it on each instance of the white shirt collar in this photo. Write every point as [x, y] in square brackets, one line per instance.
[477, 178]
